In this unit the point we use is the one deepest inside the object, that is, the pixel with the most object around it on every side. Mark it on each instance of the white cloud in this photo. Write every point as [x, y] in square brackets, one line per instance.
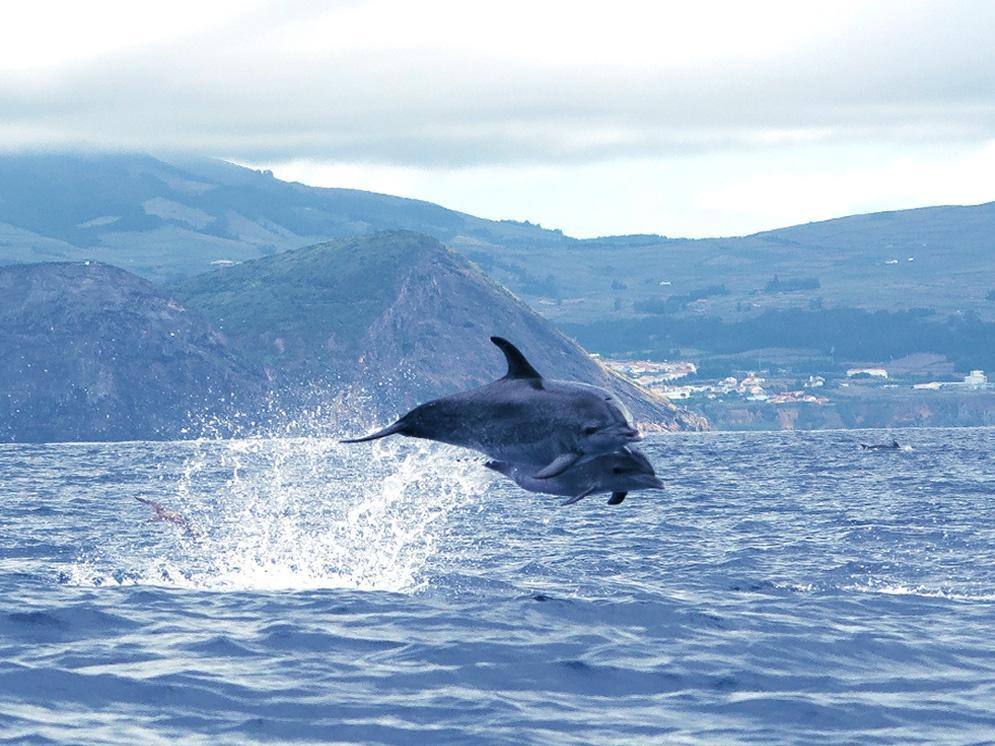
[446, 83]
[675, 109]
[706, 195]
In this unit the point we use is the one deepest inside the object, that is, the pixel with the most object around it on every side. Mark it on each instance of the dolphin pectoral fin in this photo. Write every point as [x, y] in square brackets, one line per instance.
[518, 366]
[558, 465]
[575, 498]
[397, 427]
[617, 498]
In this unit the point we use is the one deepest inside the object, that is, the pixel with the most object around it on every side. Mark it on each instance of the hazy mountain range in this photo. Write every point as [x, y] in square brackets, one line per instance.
[261, 295]
[167, 219]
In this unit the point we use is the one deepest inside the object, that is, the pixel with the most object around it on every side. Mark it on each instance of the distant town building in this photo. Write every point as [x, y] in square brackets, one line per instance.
[975, 380]
[798, 397]
[651, 372]
[872, 372]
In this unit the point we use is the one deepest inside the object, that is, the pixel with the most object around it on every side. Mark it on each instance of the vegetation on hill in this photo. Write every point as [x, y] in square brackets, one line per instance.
[165, 220]
[168, 220]
[842, 333]
[777, 285]
[676, 303]
[394, 317]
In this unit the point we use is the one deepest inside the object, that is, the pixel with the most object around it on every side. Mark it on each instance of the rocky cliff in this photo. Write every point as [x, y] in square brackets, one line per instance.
[91, 352]
[370, 326]
[394, 317]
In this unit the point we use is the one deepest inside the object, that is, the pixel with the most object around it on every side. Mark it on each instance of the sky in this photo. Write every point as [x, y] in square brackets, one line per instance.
[678, 118]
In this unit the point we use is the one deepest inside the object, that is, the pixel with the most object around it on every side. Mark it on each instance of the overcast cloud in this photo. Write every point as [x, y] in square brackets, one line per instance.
[444, 98]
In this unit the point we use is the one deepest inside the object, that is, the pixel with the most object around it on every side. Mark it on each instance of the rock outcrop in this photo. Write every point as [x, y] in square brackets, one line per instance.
[396, 318]
[91, 352]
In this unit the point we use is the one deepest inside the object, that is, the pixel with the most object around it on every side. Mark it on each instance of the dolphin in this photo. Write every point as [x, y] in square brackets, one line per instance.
[893, 446]
[619, 473]
[523, 418]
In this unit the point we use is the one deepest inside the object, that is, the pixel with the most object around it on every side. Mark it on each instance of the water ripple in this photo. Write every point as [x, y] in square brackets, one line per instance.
[785, 587]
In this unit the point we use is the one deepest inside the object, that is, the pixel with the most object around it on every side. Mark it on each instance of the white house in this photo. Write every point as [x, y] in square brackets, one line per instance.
[873, 372]
[976, 379]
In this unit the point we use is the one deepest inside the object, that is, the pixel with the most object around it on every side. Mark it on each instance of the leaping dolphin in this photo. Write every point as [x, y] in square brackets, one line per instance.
[619, 473]
[523, 418]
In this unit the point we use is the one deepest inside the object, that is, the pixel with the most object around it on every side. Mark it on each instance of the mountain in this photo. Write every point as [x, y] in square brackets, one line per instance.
[91, 352]
[364, 327]
[169, 219]
[394, 318]
[942, 258]
[173, 217]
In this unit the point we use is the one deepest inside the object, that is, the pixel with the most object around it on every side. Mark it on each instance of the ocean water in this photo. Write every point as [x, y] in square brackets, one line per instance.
[785, 587]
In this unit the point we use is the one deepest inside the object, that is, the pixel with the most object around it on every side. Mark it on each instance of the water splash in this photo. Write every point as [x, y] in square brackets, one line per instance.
[909, 589]
[299, 513]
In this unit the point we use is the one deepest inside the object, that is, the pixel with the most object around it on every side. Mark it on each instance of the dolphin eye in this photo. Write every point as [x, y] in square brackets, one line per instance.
[617, 469]
[590, 430]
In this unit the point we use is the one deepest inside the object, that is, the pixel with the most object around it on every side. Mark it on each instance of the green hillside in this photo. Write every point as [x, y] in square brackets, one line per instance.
[391, 319]
[173, 218]
[166, 219]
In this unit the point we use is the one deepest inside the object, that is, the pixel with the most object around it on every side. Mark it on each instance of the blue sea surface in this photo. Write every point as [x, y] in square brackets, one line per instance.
[785, 587]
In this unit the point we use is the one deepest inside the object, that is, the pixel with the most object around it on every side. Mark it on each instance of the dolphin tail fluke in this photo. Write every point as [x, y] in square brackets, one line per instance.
[617, 498]
[558, 465]
[397, 427]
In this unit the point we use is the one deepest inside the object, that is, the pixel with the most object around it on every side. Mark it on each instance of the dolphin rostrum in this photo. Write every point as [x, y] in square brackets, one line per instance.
[619, 473]
[523, 418]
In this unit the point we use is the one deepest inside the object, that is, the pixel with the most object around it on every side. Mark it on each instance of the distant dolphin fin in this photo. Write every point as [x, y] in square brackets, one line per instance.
[559, 465]
[518, 366]
[575, 498]
[397, 427]
[617, 497]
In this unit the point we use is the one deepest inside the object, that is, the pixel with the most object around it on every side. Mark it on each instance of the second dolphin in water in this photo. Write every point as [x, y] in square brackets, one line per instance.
[620, 472]
[523, 418]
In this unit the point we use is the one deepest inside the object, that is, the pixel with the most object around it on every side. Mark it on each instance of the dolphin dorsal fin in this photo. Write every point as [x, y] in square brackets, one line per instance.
[518, 366]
